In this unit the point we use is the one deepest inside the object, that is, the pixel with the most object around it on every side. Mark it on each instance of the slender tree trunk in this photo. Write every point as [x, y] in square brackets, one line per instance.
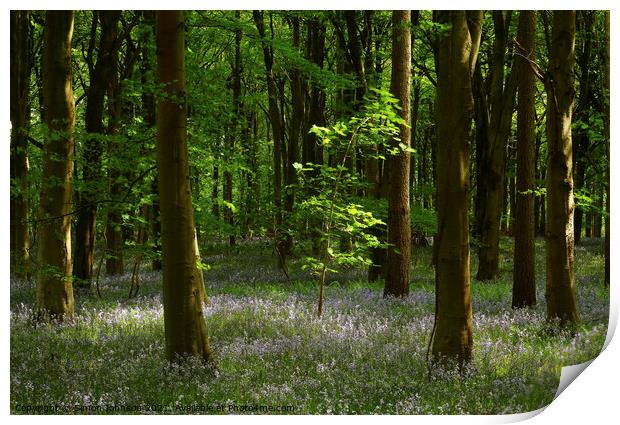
[234, 129]
[524, 276]
[113, 231]
[278, 136]
[597, 218]
[481, 117]
[316, 114]
[580, 135]
[21, 65]
[100, 74]
[560, 85]
[457, 54]
[415, 107]
[215, 209]
[185, 326]
[587, 221]
[399, 219]
[502, 99]
[297, 122]
[512, 198]
[149, 112]
[54, 289]
[252, 192]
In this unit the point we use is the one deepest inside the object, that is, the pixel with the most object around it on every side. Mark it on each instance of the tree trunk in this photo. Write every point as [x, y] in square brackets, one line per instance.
[560, 86]
[185, 326]
[149, 112]
[524, 276]
[512, 202]
[580, 135]
[297, 122]
[99, 77]
[457, 54]
[278, 136]
[399, 219]
[493, 156]
[597, 218]
[54, 290]
[215, 209]
[415, 107]
[21, 65]
[234, 131]
[313, 150]
[113, 230]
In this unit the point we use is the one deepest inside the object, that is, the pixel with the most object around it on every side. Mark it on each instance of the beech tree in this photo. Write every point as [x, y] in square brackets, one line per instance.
[399, 219]
[54, 287]
[493, 123]
[185, 326]
[524, 278]
[581, 142]
[560, 252]
[457, 52]
[278, 135]
[100, 73]
[234, 130]
[21, 65]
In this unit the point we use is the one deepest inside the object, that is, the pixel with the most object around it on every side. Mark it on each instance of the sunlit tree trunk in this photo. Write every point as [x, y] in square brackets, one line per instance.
[54, 288]
[524, 276]
[457, 54]
[100, 73]
[560, 85]
[185, 326]
[399, 219]
[21, 65]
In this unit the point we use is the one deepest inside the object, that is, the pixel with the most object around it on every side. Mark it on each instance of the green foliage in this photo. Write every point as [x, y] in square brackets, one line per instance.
[330, 204]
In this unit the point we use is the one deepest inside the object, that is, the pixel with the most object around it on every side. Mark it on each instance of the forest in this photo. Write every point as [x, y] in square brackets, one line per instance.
[306, 212]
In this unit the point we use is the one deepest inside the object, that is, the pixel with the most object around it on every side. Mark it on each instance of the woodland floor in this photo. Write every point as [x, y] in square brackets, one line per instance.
[365, 355]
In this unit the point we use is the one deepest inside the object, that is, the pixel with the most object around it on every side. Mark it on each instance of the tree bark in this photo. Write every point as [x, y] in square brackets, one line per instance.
[297, 122]
[524, 276]
[21, 65]
[278, 136]
[580, 135]
[185, 326]
[54, 289]
[399, 218]
[99, 77]
[560, 87]
[113, 231]
[597, 218]
[456, 55]
[493, 155]
[149, 112]
[234, 131]
[312, 150]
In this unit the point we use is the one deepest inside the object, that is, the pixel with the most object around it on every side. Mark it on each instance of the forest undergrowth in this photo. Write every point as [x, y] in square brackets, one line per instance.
[366, 354]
